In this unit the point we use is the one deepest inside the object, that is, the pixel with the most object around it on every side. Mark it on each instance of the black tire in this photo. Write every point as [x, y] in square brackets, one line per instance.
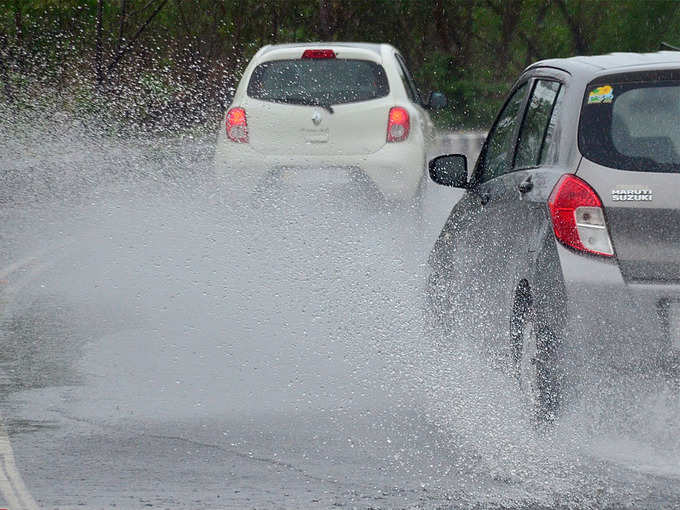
[544, 395]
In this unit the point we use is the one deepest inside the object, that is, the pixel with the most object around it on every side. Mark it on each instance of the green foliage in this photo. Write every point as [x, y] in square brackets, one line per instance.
[176, 68]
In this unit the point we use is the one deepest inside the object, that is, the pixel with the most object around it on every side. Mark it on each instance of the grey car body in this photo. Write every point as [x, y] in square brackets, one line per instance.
[498, 264]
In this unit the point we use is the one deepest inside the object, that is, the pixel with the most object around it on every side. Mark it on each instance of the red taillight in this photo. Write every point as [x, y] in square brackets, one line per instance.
[578, 217]
[237, 125]
[318, 54]
[398, 124]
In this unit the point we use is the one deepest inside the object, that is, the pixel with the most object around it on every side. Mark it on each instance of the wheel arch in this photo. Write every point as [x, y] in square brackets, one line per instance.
[543, 282]
[547, 286]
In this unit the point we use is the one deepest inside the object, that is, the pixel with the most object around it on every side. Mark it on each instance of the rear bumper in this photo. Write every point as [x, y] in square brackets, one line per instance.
[612, 322]
[396, 169]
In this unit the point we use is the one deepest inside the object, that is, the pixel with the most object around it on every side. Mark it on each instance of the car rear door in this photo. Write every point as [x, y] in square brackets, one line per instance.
[284, 129]
[516, 193]
[535, 170]
[509, 218]
[318, 106]
[631, 148]
[474, 242]
[643, 216]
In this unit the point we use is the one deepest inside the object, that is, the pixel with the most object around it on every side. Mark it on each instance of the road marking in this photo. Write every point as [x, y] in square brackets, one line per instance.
[26, 261]
[7, 489]
[4, 273]
[12, 486]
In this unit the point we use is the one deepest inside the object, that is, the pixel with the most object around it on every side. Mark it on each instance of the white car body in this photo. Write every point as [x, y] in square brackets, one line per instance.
[354, 135]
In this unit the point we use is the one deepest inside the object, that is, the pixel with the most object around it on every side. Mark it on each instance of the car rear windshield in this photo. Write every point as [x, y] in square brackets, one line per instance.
[633, 123]
[318, 81]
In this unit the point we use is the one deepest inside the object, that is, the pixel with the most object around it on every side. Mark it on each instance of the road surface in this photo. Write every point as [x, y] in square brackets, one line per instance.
[163, 347]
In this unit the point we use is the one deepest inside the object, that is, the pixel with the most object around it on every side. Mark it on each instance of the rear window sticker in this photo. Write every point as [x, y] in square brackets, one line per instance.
[599, 95]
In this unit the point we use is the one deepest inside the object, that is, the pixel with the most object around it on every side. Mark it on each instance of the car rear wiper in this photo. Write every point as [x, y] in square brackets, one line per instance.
[302, 101]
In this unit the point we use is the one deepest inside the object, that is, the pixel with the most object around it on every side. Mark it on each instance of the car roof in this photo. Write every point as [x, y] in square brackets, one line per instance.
[373, 47]
[587, 68]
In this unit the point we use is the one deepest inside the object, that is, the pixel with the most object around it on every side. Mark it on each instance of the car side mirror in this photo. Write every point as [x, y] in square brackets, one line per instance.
[449, 170]
[437, 101]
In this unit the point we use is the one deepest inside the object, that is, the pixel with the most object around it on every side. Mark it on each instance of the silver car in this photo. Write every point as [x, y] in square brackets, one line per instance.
[562, 258]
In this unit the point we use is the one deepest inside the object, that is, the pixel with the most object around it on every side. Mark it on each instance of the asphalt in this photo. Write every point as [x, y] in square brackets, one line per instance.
[163, 347]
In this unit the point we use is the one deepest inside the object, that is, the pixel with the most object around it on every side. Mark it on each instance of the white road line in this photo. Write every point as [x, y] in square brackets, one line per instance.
[12, 486]
[28, 259]
[7, 489]
[32, 270]
[4, 273]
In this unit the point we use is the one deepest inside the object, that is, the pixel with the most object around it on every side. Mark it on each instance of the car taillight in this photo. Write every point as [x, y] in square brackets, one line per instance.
[318, 54]
[237, 125]
[578, 217]
[398, 124]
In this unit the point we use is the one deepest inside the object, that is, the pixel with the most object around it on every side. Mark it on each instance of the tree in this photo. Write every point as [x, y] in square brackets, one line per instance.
[122, 45]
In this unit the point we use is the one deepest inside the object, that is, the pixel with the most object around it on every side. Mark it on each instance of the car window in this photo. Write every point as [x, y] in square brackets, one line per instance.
[407, 78]
[535, 124]
[404, 80]
[322, 81]
[632, 125]
[494, 160]
[549, 148]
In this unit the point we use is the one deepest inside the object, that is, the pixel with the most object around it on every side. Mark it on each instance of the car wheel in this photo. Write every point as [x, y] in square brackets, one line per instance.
[534, 360]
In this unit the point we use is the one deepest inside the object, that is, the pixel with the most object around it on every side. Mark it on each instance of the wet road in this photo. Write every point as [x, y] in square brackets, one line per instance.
[164, 347]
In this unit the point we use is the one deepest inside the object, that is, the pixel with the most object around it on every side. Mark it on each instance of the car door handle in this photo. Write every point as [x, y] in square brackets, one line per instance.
[526, 185]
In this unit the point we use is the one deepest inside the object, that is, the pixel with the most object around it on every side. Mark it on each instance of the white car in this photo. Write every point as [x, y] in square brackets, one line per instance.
[343, 108]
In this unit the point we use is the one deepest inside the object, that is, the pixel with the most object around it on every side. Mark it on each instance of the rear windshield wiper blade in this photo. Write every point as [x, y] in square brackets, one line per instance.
[302, 101]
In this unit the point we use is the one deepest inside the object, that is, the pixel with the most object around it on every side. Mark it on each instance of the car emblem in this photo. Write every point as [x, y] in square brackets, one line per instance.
[632, 193]
[316, 117]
